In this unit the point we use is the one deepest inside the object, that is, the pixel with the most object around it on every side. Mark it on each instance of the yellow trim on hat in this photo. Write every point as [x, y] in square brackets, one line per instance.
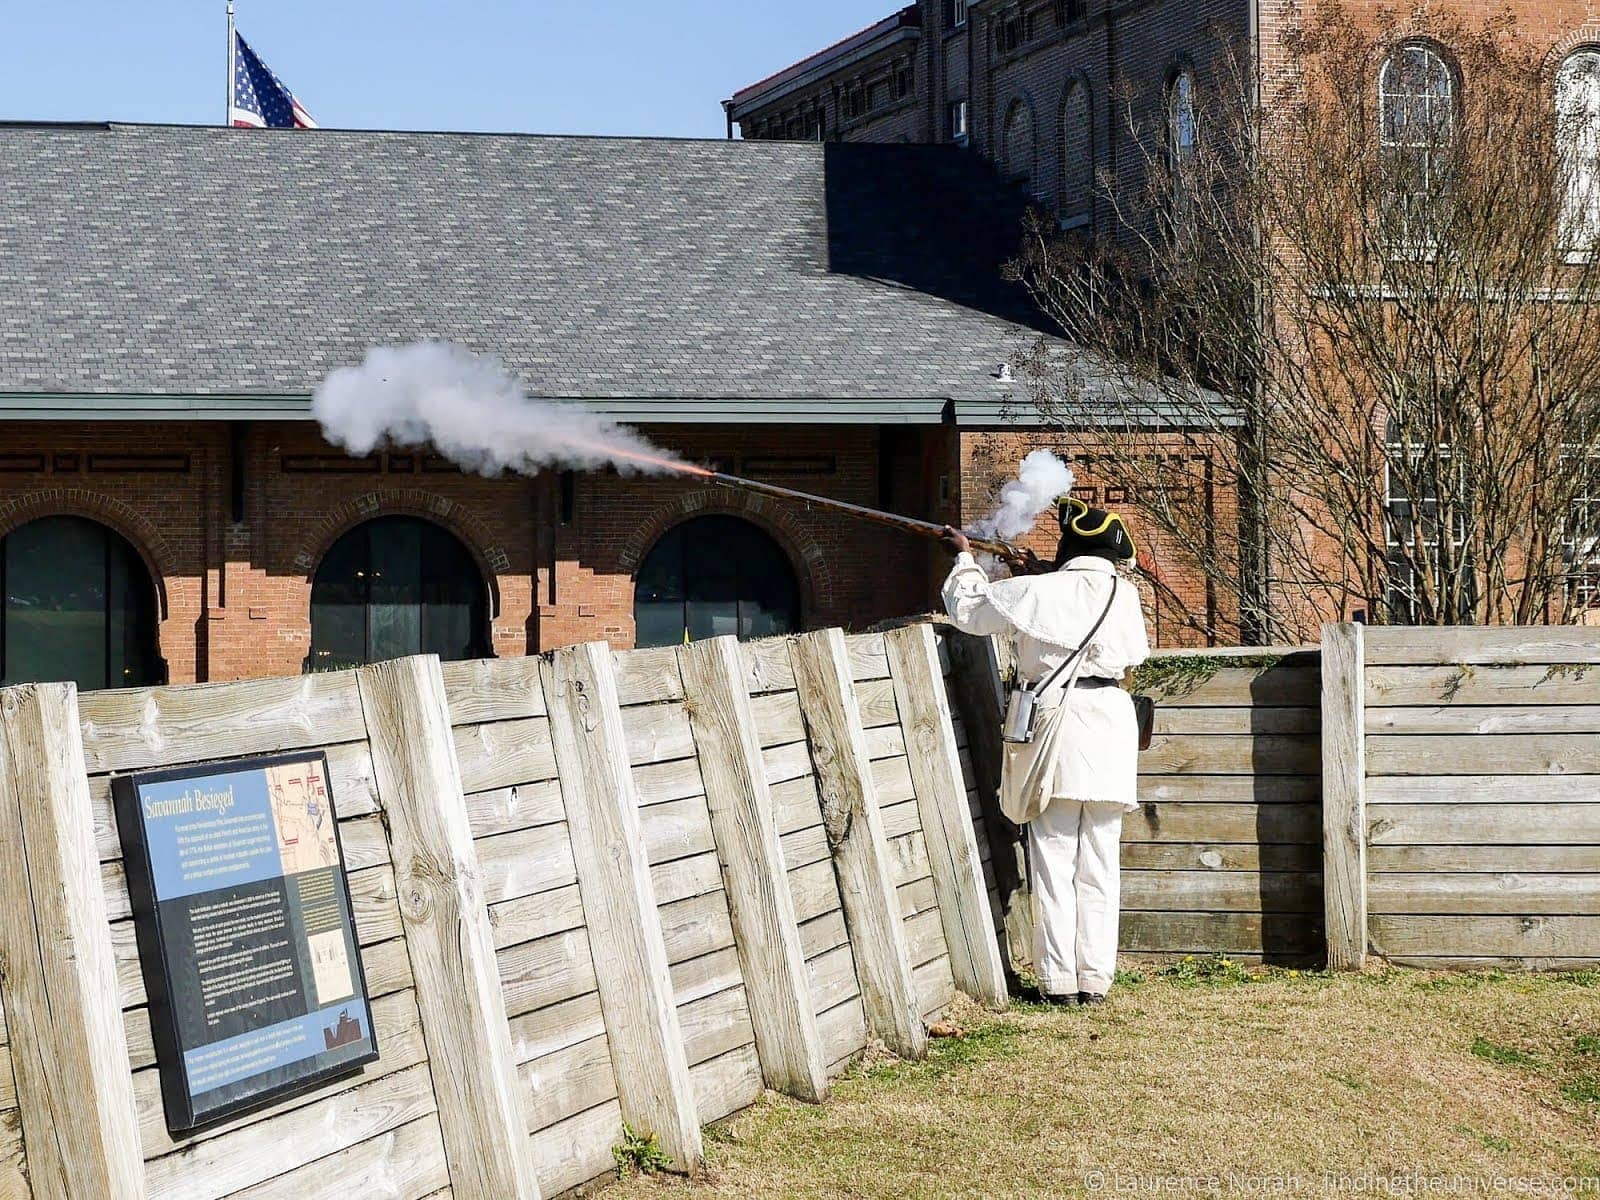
[1083, 511]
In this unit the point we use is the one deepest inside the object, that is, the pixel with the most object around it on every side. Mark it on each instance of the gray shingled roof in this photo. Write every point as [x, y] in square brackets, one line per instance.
[197, 261]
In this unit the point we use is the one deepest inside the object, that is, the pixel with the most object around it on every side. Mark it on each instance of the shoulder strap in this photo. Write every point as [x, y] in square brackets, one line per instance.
[1084, 645]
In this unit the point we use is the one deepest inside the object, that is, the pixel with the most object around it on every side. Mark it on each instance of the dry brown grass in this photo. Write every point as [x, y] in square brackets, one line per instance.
[1244, 1083]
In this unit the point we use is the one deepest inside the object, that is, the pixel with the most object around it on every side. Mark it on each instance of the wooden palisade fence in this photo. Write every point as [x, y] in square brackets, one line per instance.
[591, 891]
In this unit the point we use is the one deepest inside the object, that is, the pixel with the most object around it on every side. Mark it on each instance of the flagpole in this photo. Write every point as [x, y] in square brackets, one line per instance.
[233, 45]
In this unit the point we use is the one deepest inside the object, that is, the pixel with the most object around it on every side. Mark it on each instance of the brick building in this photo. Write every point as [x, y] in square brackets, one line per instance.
[826, 317]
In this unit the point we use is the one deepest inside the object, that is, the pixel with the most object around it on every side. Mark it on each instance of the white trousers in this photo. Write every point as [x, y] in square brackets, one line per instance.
[1075, 862]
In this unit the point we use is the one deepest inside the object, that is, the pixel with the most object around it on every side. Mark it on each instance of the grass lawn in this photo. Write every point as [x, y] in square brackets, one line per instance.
[1240, 1080]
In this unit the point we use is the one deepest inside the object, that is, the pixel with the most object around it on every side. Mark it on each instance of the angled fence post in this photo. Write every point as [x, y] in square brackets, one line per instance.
[69, 1052]
[856, 839]
[619, 901]
[1344, 781]
[765, 929]
[448, 936]
[946, 821]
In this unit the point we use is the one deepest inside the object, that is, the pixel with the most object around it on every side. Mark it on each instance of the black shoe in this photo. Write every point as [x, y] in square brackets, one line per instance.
[1066, 1000]
[1091, 998]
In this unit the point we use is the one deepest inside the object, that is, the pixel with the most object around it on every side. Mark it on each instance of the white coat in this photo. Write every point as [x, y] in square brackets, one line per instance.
[1047, 616]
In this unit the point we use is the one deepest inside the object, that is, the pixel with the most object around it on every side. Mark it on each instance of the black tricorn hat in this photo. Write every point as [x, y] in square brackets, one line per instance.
[1086, 530]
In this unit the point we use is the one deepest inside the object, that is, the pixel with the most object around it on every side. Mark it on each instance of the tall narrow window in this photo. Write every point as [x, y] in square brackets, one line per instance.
[1580, 540]
[1426, 497]
[392, 587]
[957, 117]
[1182, 133]
[1017, 144]
[1416, 103]
[1077, 157]
[1578, 131]
[79, 607]
[955, 13]
[712, 576]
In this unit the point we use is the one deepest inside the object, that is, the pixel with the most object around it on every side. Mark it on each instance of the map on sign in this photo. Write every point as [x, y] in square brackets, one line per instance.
[246, 936]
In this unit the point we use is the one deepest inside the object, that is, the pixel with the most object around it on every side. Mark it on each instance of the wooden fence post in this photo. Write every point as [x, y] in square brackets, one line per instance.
[765, 930]
[946, 821]
[448, 936]
[1344, 807]
[68, 1048]
[975, 669]
[856, 838]
[619, 901]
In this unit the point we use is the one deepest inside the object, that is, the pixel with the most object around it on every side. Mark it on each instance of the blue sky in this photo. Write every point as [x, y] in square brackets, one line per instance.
[606, 66]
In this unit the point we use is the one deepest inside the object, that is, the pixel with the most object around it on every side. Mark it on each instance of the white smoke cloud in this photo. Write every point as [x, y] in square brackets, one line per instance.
[1040, 481]
[473, 411]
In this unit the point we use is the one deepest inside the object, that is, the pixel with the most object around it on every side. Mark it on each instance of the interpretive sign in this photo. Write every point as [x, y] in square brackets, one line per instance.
[246, 938]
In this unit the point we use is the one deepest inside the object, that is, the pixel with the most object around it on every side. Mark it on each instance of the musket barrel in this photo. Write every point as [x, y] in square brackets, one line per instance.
[929, 529]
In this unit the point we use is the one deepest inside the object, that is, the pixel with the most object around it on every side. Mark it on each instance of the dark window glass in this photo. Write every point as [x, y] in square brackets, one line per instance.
[714, 576]
[392, 587]
[80, 607]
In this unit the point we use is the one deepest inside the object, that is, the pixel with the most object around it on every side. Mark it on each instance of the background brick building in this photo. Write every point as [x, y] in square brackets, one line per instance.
[827, 317]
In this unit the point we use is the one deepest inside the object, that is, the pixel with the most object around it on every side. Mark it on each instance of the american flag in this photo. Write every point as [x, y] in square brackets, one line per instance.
[260, 101]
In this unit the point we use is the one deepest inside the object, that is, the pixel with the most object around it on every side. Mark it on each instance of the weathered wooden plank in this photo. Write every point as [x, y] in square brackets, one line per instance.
[405, 1163]
[556, 1026]
[901, 817]
[619, 899]
[815, 890]
[68, 1045]
[1483, 824]
[525, 862]
[759, 900]
[1172, 721]
[1486, 936]
[918, 897]
[824, 933]
[448, 935]
[908, 856]
[13, 1163]
[833, 977]
[784, 763]
[648, 676]
[806, 847]
[726, 1084]
[1294, 937]
[1514, 894]
[1492, 859]
[520, 806]
[539, 915]
[502, 753]
[766, 666]
[1224, 823]
[1221, 856]
[936, 987]
[951, 846]
[1231, 789]
[1402, 645]
[257, 1153]
[869, 659]
[845, 781]
[1484, 789]
[1497, 719]
[546, 971]
[886, 741]
[1344, 797]
[677, 829]
[686, 877]
[925, 938]
[493, 689]
[658, 783]
[140, 728]
[574, 1151]
[715, 1024]
[1222, 891]
[795, 804]
[1470, 754]
[891, 781]
[1222, 754]
[696, 978]
[777, 718]
[1482, 685]
[695, 926]
[657, 733]
[844, 1032]
[557, 1085]
[1243, 687]
[876, 698]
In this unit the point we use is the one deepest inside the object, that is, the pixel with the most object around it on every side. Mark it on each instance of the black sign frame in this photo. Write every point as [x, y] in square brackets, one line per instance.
[154, 947]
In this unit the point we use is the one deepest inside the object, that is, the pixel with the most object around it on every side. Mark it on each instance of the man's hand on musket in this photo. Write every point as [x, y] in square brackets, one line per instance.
[1026, 562]
[956, 540]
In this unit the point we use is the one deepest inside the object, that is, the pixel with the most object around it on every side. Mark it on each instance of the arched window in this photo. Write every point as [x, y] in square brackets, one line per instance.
[79, 606]
[1017, 145]
[1578, 130]
[712, 576]
[1416, 112]
[396, 586]
[1075, 207]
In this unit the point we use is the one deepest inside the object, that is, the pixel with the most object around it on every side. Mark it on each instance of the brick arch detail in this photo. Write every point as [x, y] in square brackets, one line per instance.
[122, 519]
[1585, 37]
[812, 569]
[456, 518]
